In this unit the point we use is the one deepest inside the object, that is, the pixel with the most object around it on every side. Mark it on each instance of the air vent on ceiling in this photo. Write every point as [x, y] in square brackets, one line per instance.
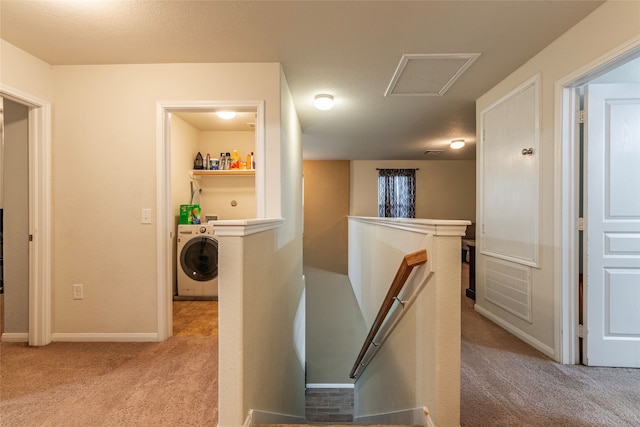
[251, 125]
[428, 74]
[433, 152]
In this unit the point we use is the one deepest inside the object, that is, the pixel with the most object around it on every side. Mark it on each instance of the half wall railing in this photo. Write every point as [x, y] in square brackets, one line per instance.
[374, 338]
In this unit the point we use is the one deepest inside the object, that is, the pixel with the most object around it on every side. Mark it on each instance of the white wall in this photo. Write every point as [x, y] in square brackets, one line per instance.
[445, 189]
[608, 27]
[104, 134]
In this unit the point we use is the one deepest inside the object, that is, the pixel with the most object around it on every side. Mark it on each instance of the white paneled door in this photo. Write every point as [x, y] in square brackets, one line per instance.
[612, 181]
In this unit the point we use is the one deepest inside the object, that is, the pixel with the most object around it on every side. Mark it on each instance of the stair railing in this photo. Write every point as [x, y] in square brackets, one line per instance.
[370, 346]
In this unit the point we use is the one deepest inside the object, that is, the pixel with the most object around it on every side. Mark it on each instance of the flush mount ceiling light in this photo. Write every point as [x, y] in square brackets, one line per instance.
[226, 115]
[323, 102]
[457, 144]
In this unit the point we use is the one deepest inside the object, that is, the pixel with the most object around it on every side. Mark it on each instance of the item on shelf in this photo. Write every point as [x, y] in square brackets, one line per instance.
[198, 162]
[190, 214]
[221, 161]
[235, 160]
[249, 158]
[214, 164]
[207, 164]
[227, 161]
[252, 163]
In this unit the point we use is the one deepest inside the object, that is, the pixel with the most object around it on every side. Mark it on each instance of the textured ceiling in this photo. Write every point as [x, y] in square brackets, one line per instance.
[350, 49]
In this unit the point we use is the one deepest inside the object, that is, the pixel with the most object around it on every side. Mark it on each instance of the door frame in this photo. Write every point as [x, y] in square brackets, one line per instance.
[164, 229]
[39, 213]
[567, 153]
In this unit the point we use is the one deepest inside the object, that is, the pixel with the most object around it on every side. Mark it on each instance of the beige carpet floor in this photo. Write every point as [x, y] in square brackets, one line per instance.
[505, 382]
[110, 384]
[173, 383]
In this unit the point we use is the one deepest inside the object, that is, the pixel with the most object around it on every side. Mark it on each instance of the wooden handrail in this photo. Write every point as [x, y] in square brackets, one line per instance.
[408, 262]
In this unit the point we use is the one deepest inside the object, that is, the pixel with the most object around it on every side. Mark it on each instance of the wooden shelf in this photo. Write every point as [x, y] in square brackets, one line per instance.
[231, 172]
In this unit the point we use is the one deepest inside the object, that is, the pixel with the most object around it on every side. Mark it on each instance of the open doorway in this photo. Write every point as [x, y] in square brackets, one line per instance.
[601, 124]
[14, 214]
[39, 216]
[193, 133]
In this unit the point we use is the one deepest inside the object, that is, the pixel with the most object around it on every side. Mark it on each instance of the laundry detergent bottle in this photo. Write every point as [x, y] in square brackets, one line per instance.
[235, 160]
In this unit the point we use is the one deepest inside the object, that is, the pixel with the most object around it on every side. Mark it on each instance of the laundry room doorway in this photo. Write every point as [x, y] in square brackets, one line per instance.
[196, 186]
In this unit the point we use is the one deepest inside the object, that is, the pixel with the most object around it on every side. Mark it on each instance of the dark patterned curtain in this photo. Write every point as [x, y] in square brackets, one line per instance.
[397, 193]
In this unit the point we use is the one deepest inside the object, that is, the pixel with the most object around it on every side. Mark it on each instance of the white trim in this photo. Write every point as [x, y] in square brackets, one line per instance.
[39, 213]
[263, 417]
[105, 337]
[326, 385]
[538, 345]
[566, 200]
[415, 416]
[15, 337]
[245, 227]
[163, 192]
[434, 227]
[566, 210]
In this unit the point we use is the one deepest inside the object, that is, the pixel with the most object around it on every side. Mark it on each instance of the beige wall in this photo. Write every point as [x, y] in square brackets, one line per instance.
[445, 189]
[24, 72]
[104, 146]
[218, 192]
[326, 207]
[608, 27]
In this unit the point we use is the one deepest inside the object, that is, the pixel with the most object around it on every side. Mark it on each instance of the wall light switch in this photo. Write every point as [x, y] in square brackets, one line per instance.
[78, 292]
[146, 216]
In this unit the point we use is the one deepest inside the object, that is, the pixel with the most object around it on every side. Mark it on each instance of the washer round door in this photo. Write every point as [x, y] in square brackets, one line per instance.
[199, 258]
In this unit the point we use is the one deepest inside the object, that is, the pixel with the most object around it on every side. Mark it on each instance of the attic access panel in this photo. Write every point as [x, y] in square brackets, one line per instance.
[428, 74]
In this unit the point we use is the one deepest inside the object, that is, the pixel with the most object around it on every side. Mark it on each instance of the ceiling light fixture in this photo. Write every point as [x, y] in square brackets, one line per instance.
[226, 115]
[457, 144]
[323, 102]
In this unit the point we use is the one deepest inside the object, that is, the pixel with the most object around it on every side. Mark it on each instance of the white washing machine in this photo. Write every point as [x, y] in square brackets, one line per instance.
[197, 250]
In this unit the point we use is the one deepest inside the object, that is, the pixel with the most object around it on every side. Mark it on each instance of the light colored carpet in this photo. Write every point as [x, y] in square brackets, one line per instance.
[110, 384]
[505, 382]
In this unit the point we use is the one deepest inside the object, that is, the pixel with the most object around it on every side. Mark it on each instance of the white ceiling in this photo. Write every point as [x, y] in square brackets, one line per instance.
[350, 49]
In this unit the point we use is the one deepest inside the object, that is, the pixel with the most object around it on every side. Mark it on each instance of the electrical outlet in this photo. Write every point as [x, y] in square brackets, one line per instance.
[146, 216]
[78, 292]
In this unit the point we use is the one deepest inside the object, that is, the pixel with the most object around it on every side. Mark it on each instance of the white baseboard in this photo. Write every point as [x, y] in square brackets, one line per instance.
[15, 337]
[543, 348]
[261, 417]
[325, 385]
[416, 416]
[105, 337]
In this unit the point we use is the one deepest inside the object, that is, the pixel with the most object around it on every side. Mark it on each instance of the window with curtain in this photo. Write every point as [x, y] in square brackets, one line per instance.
[397, 193]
